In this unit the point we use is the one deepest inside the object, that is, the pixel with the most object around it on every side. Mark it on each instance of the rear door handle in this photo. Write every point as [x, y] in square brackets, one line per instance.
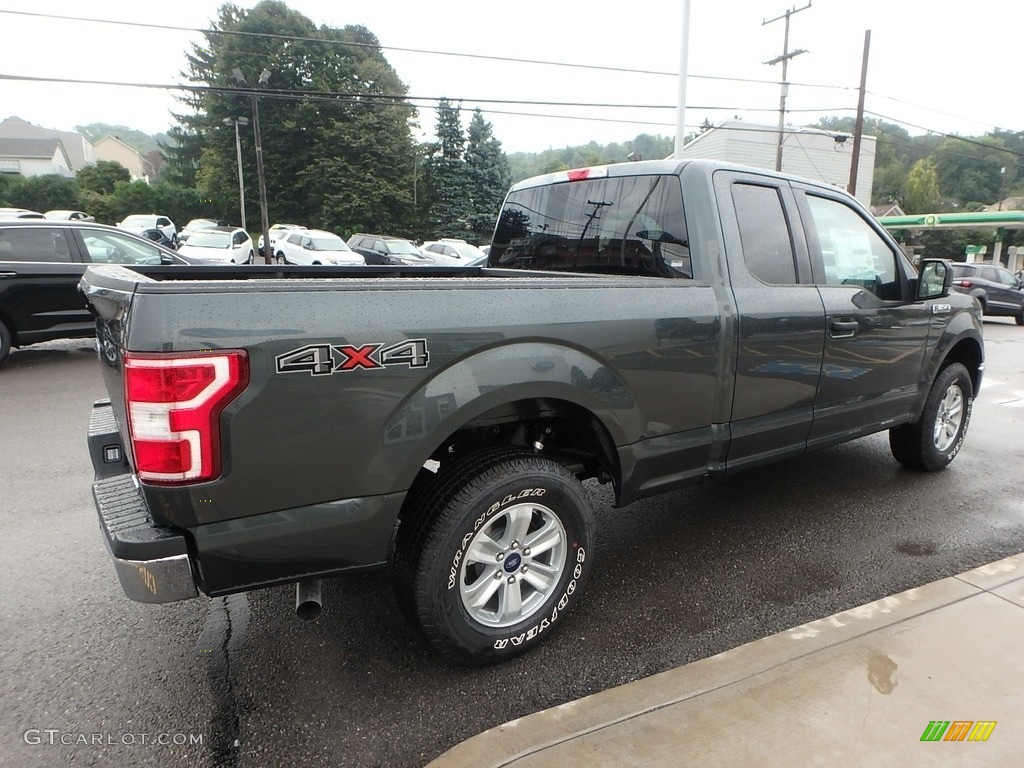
[8, 274]
[841, 329]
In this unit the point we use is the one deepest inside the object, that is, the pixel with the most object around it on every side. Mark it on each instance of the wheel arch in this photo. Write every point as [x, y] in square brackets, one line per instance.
[563, 402]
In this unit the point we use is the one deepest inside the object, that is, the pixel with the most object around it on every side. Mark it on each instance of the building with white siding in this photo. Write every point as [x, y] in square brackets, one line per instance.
[813, 153]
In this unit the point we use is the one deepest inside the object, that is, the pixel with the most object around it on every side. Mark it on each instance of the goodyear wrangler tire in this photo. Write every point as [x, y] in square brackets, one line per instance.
[506, 548]
[934, 440]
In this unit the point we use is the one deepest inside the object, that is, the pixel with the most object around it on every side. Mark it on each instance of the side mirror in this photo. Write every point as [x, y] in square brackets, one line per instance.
[936, 277]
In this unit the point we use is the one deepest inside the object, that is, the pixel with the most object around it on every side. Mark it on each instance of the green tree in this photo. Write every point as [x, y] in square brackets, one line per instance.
[45, 193]
[488, 177]
[971, 172]
[349, 88]
[9, 182]
[102, 177]
[922, 188]
[449, 198]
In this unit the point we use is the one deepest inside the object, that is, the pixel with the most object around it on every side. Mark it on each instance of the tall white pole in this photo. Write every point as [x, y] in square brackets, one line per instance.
[684, 50]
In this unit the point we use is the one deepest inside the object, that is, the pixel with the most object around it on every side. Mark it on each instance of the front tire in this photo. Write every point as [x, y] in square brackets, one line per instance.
[280, 259]
[495, 556]
[933, 441]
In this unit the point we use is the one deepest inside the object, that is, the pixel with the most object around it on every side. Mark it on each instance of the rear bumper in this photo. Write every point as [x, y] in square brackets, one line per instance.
[152, 563]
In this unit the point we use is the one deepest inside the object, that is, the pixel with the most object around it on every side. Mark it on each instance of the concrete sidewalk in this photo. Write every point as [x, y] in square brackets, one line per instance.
[858, 688]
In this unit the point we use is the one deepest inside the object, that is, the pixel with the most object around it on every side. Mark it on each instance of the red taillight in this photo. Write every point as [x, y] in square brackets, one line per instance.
[581, 174]
[963, 283]
[174, 402]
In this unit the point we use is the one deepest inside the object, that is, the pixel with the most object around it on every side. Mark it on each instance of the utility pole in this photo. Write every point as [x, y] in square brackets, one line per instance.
[260, 177]
[684, 52]
[858, 129]
[784, 59]
[238, 156]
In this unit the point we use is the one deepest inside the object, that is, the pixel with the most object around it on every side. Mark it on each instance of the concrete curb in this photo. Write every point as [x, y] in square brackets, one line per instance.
[993, 589]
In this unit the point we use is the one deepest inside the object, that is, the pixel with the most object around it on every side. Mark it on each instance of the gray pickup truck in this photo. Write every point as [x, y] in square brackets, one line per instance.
[650, 324]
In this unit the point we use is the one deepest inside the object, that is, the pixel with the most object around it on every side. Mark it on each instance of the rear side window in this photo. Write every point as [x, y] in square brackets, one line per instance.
[631, 225]
[34, 244]
[764, 234]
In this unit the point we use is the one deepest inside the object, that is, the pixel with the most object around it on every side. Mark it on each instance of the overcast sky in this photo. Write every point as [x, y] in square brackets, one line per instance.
[944, 68]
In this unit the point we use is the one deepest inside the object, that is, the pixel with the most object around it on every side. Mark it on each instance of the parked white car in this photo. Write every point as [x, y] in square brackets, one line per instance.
[194, 226]
[69, 216]
[277, 232]
[220, 245]
[449, 251]
[315, 246]
[20, 213]
[138, 223]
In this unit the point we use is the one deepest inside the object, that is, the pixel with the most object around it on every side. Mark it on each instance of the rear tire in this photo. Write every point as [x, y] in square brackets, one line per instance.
[933, 441]
[1020, 318]
[5, 342]
[495, 555]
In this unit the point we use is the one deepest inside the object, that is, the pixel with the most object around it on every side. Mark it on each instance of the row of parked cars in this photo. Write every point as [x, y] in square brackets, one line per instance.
[43, 256]
[295, 244]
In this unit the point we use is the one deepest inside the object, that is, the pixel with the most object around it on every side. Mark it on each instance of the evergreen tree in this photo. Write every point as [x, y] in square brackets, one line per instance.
[488, 177]
[317, 166]
[447, 179]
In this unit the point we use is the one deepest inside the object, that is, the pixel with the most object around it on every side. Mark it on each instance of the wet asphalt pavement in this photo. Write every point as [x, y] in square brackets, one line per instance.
[89, 678]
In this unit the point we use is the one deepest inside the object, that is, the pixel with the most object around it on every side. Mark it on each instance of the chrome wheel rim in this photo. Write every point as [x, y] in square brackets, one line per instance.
[512, 565]
[948, 419]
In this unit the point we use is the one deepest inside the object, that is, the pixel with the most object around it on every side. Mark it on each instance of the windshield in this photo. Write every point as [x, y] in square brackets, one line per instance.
[324, 243]
[467, 251]
[200, 224]
[205, 239]
[138, 221]
[403, 246]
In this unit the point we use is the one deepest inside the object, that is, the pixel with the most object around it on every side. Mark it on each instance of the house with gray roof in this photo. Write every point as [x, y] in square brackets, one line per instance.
[78, 149]
[34, 157]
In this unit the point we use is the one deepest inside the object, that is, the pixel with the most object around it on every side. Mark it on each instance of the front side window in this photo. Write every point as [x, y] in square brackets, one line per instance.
[114, 248]
[852, 252]
[631, 225]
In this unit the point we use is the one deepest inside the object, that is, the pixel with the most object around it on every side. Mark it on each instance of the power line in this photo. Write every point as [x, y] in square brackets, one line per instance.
[363, 97]
[296, 38]
[487, 57]
[964, 139]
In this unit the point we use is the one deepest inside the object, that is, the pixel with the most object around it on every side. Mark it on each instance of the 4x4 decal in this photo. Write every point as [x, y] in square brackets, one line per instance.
[325, 359]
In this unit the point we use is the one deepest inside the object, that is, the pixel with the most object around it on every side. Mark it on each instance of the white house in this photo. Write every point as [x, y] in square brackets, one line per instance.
[813, 153]
[78, 149]
[34, 157]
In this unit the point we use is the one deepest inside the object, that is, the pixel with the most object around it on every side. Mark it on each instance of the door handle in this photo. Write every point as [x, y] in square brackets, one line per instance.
[840, 329]
[8, 274]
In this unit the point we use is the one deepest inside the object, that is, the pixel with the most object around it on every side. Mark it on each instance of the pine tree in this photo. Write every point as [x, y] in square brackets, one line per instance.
[488, 175]
[447, 180]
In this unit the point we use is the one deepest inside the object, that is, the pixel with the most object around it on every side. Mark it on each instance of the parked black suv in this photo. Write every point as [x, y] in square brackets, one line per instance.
[384, 249]
[1000, 293]
[41, 262]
